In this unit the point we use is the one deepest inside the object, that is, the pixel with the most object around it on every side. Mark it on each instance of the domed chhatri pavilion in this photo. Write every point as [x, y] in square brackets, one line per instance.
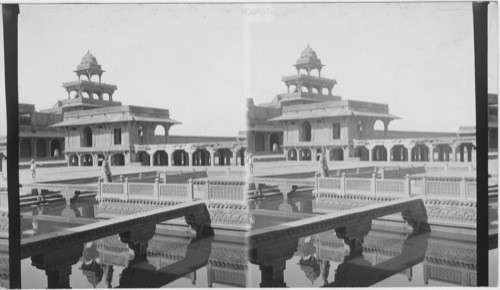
[308, 119]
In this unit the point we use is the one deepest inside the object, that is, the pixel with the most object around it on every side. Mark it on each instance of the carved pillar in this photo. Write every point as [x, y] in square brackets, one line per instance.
[137, 240]
[234, 160]
[416, 218]
[370, 152]
[57, 265]
[353, 235]
[409, 148]
[272, 275]
[286, 189]
[389, 155]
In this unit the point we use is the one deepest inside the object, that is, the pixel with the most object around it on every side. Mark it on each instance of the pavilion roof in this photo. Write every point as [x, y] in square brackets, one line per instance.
[332, 113]
[102, 119]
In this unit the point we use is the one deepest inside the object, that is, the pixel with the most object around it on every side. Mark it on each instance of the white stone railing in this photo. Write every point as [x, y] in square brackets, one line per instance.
[221, 192]
[430, 188]
[215, 191]
[278, 181]
[453, 190]
[363, 186]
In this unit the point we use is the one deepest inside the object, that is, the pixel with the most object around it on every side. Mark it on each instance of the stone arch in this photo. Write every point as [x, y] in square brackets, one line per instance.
[305, 154]
[73, 160]
[160, 158]
[41, 148]
[379, 153]
[292, 154]
[420, 153]
[87, 160]
[378, 125]
[442, 152]
[259, 143]
[465, 152]
[87, 137]
[180, 158]
[55, 144]
[143, 157]
[223, 156]
[336, 154]
[201, 157]
[160, 133]
[399, 153]
[362, 152]
[25, 148]
[274, 139]
[306, 132]
[118, 159]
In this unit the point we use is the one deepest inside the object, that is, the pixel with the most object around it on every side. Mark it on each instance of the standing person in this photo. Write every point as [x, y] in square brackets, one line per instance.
[33, 169]
[56, 153]
[250, 163]
[106, 170]
[323, 165]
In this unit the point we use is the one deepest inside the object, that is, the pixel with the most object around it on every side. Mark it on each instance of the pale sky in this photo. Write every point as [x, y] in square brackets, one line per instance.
[202, 61]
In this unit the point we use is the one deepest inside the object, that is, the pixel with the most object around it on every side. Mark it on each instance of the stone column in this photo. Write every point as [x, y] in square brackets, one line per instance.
[272, 275]
[80, 159]
[409, 150]
[48, 154]
[190, 158]
[95, 160]
[137, 240]
[57, 265]
[386, 127]
[370, 152]
[353, 235]
[390, 155]
[234, 161]
[431, 152]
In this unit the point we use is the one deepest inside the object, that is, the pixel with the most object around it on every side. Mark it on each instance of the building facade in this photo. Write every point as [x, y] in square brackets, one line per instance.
[312, 120]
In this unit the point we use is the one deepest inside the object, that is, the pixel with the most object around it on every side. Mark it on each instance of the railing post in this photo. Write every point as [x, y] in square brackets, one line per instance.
[373, 185]
[125, 184]
[316, 183]
[447, 166]
[121, 178]
[463, 189]
[99, 187]
[382, 172]
[424, 186]
[156, 189]
[140, 176]
[191, 188]
[207, 184]
[407, 185]
[357, 171]
[342, 184]
[471, 166]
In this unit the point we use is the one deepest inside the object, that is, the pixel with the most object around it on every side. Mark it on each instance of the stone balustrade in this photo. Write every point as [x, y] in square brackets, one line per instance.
[372, 187]
[231, 192]
[461, 189]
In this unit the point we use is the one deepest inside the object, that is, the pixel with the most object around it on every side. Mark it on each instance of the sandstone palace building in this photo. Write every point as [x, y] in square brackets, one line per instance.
[309, 119]
[81, 129]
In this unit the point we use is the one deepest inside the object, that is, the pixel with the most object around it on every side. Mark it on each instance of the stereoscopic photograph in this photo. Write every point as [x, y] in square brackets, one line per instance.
[249, 145]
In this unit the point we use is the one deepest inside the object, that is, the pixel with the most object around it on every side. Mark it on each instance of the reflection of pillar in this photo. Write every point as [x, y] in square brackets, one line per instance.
[57, 265]
[272, 275]
[137, 239]
[353, 235]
